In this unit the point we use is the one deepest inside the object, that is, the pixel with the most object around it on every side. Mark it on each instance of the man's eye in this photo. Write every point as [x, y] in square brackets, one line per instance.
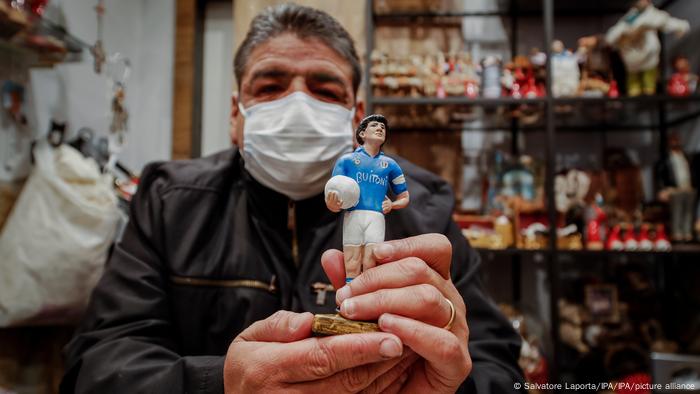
[268, 89]
[328, 94]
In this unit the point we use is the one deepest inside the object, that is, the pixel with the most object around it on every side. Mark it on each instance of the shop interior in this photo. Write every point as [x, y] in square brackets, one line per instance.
[574, 166]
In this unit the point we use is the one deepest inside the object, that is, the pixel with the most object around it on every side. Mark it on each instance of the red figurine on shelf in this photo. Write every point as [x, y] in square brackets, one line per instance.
[645, 243]
[630, 239]
[661, 243]
[682, 82]
[614, 242]
[595, 228]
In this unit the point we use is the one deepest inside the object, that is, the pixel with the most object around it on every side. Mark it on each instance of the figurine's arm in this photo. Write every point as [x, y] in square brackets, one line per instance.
[676, 25]
[332, 199]
[398, 186]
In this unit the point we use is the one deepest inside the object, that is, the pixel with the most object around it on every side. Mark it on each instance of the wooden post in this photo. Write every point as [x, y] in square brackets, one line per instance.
[184, 78]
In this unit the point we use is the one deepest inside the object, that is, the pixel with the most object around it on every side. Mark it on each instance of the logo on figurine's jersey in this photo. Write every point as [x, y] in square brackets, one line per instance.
[371, 178]
[356, 160]
[384, 164]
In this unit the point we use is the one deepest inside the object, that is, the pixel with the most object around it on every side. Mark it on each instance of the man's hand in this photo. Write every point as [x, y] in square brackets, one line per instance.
[408, 297]
[278, 355]
[333, 201]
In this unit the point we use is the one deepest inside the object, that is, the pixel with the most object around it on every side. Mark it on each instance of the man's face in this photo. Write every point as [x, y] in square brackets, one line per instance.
[287, 64]
[374, 133]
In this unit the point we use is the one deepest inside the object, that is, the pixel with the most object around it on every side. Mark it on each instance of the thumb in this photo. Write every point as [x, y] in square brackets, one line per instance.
[283, 326]
[333, 262]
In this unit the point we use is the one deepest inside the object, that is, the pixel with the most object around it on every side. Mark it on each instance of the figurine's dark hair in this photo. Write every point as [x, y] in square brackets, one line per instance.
[304, 22]
[365, 122]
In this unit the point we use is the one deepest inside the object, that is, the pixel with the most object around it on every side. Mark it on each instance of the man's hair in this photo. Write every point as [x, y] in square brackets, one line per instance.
[366, 121]
[305, 23]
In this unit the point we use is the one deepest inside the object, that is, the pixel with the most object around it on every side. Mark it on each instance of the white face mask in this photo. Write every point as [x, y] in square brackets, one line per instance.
[290, 145]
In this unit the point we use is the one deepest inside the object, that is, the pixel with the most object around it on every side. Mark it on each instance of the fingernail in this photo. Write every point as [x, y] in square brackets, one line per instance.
[383, 251]
[296, 322]
[390, 348]
[385, 321]
[348, 307]
[343, 293]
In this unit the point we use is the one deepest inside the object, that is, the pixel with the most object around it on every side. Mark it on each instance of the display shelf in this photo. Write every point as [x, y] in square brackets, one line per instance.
[687, 249]
[43, 43]
[516, 8]
[494, 102]
[553, 116]
[581, 114]
[454, 100]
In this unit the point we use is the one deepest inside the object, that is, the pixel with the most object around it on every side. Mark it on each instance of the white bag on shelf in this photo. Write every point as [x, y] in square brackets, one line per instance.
[54, 244]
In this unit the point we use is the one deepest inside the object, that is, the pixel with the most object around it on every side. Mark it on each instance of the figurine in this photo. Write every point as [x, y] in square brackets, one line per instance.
[595, 233]
[594, 54]
[374, 174]
[674, 186]
[491, 66]
[682, 82]
[636, 36]
[120, 115]
[565, 73]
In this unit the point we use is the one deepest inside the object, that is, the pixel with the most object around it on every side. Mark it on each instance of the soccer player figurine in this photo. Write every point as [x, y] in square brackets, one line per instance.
[359, 185]
[374, 173]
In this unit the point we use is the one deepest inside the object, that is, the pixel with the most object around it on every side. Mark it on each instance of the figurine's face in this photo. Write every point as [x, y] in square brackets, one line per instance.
[682, 65]
[286, 64]
[374, 133]
[642, 4]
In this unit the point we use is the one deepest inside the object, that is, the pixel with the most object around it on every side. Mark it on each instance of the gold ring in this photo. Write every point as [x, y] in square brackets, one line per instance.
[452, 315]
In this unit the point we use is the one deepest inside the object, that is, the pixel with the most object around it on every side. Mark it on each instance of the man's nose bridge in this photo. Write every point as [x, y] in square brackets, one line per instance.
[298, 84]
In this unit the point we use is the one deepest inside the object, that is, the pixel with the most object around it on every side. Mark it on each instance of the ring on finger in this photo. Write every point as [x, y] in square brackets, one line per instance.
[448, 326]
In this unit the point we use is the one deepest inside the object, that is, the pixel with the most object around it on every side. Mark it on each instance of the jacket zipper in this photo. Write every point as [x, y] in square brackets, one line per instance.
[249, 283]
[292, 226]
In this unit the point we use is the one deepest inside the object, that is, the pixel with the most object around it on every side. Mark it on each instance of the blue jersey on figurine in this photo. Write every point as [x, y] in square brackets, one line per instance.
[360, 182]
[374, 176]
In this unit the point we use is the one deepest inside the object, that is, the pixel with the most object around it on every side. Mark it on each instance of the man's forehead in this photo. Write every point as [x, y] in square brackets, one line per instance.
[290, 54]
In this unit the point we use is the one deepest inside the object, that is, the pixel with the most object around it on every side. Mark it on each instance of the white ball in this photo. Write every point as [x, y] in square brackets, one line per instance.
[348, 190]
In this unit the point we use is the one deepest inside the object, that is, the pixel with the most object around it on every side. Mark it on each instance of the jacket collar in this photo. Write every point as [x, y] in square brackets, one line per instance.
[273, 207]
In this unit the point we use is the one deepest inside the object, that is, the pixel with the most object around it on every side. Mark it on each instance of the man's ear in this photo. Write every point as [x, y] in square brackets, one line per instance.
[359, 115]
[236, 122]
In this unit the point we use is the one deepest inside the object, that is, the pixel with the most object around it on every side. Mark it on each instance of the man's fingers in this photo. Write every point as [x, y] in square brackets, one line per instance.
[434, 249]
[420, 302]
[333, 262]
[355, 379]
[396, 376]
[318, 358]
[405, 272]
[441, 348]
[283, 326]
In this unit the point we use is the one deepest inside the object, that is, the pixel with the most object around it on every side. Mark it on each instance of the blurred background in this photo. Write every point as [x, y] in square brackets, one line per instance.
[575, 165]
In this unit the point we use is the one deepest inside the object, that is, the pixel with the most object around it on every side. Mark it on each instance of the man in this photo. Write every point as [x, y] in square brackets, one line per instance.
[216, 246]
[363, 224]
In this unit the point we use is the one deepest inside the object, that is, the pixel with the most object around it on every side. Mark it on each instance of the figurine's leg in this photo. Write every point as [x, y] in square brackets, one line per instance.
[634, 84]
[688, 200]
[676, 206]
[649, 81]
[353, 238]
[368, 260]
[353, 260]
[374, 234]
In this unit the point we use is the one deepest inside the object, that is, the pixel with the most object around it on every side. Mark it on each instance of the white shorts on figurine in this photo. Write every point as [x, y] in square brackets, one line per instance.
[362, 227]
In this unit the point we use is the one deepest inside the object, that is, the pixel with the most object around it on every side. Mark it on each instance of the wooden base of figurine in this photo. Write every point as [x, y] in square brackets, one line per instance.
[336, 325]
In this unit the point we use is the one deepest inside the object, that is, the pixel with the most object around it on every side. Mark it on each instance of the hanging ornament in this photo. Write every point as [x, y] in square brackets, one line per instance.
[117, 69]
[97, 50]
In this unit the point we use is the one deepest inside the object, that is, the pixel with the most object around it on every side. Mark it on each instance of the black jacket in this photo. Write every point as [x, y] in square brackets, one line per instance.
[208, 251]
